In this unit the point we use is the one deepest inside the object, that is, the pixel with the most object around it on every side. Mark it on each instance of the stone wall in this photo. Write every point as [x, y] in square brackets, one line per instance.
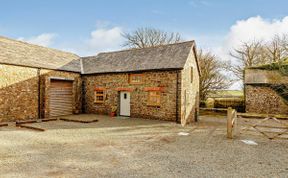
[189, 90]
[264, 100]
[19, 92]
[139, 108]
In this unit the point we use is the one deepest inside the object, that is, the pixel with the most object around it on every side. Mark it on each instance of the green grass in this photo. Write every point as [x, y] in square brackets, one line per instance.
[227, 93]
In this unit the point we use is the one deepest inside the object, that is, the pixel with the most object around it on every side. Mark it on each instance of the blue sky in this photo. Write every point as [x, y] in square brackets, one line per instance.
[89, 26]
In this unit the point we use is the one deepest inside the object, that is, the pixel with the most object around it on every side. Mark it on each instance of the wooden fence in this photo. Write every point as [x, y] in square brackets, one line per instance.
[270, 126]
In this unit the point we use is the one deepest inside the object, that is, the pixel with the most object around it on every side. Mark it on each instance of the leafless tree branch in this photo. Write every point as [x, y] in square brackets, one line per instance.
[149, 37]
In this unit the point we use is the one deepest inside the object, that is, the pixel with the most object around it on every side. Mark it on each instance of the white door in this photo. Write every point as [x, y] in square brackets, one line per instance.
[124, 103]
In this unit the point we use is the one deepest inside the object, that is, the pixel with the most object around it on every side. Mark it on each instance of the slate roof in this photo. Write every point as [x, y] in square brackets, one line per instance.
[24, 54]
[166, 57]
[172, 56]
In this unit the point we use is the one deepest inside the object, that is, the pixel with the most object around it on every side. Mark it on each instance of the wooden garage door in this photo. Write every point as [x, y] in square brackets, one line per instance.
[61, 98]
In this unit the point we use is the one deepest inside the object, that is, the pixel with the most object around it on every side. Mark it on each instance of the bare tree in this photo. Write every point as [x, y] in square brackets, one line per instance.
[149, 37]
[277, 48]
[258, 53]
[247, 55]
[212, 77]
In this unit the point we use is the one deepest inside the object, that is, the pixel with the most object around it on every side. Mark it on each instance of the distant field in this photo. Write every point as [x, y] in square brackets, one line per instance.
[226, 93]
[225, 99]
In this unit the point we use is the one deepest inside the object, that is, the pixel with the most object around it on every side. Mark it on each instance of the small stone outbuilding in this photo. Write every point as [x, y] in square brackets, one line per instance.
[266, 90]
[156, 83]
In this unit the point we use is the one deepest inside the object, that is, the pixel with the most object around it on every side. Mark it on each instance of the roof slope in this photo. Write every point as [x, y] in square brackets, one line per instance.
[172, 56]
[24, 54]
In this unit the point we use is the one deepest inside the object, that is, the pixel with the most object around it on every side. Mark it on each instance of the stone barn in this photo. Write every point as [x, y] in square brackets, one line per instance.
[37, 82]
[157, 83]
[266, 89]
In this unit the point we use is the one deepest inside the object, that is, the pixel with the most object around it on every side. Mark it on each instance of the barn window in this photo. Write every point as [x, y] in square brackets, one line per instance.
[191, 74]
[154, 98]
[136, 78]
[99, 96]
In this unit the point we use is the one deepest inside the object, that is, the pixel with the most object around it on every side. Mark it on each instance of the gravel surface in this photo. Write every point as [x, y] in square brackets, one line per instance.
[122, 147]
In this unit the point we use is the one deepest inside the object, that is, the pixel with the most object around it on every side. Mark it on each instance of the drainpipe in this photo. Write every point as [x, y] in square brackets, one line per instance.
[39, 92]
[244, 91]
[177, 96]
[83, 93]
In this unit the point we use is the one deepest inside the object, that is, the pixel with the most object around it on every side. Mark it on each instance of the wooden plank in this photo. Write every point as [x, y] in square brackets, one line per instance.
[3, 125]
[254, 125]
[31, 127]
[26, 122]
[79, 121]
[271, 127]
[254, 115]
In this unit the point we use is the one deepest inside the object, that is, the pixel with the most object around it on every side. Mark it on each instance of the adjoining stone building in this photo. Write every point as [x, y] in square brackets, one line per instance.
[158, 83]
[266, 90]
[37, 82]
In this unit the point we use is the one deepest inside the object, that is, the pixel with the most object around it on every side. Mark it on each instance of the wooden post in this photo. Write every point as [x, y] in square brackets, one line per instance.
[229, 123]
[235, 124]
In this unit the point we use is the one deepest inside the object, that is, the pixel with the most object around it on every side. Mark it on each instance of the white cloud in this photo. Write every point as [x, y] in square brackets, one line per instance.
[255, 28]
[103, 39]
[45, 39]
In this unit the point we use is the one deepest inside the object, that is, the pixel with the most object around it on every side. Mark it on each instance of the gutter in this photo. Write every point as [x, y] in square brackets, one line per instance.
[132, 71]
[177, 96]
[39, 92]
[47, 68]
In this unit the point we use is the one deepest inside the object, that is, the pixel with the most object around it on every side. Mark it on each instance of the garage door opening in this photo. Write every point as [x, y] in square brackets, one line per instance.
[61, 98]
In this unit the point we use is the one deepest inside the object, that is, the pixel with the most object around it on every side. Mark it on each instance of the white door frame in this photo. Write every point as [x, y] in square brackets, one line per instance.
[125, 104]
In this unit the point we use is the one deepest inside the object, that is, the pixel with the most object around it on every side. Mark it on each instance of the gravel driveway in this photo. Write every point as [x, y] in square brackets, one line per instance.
[122, 147]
